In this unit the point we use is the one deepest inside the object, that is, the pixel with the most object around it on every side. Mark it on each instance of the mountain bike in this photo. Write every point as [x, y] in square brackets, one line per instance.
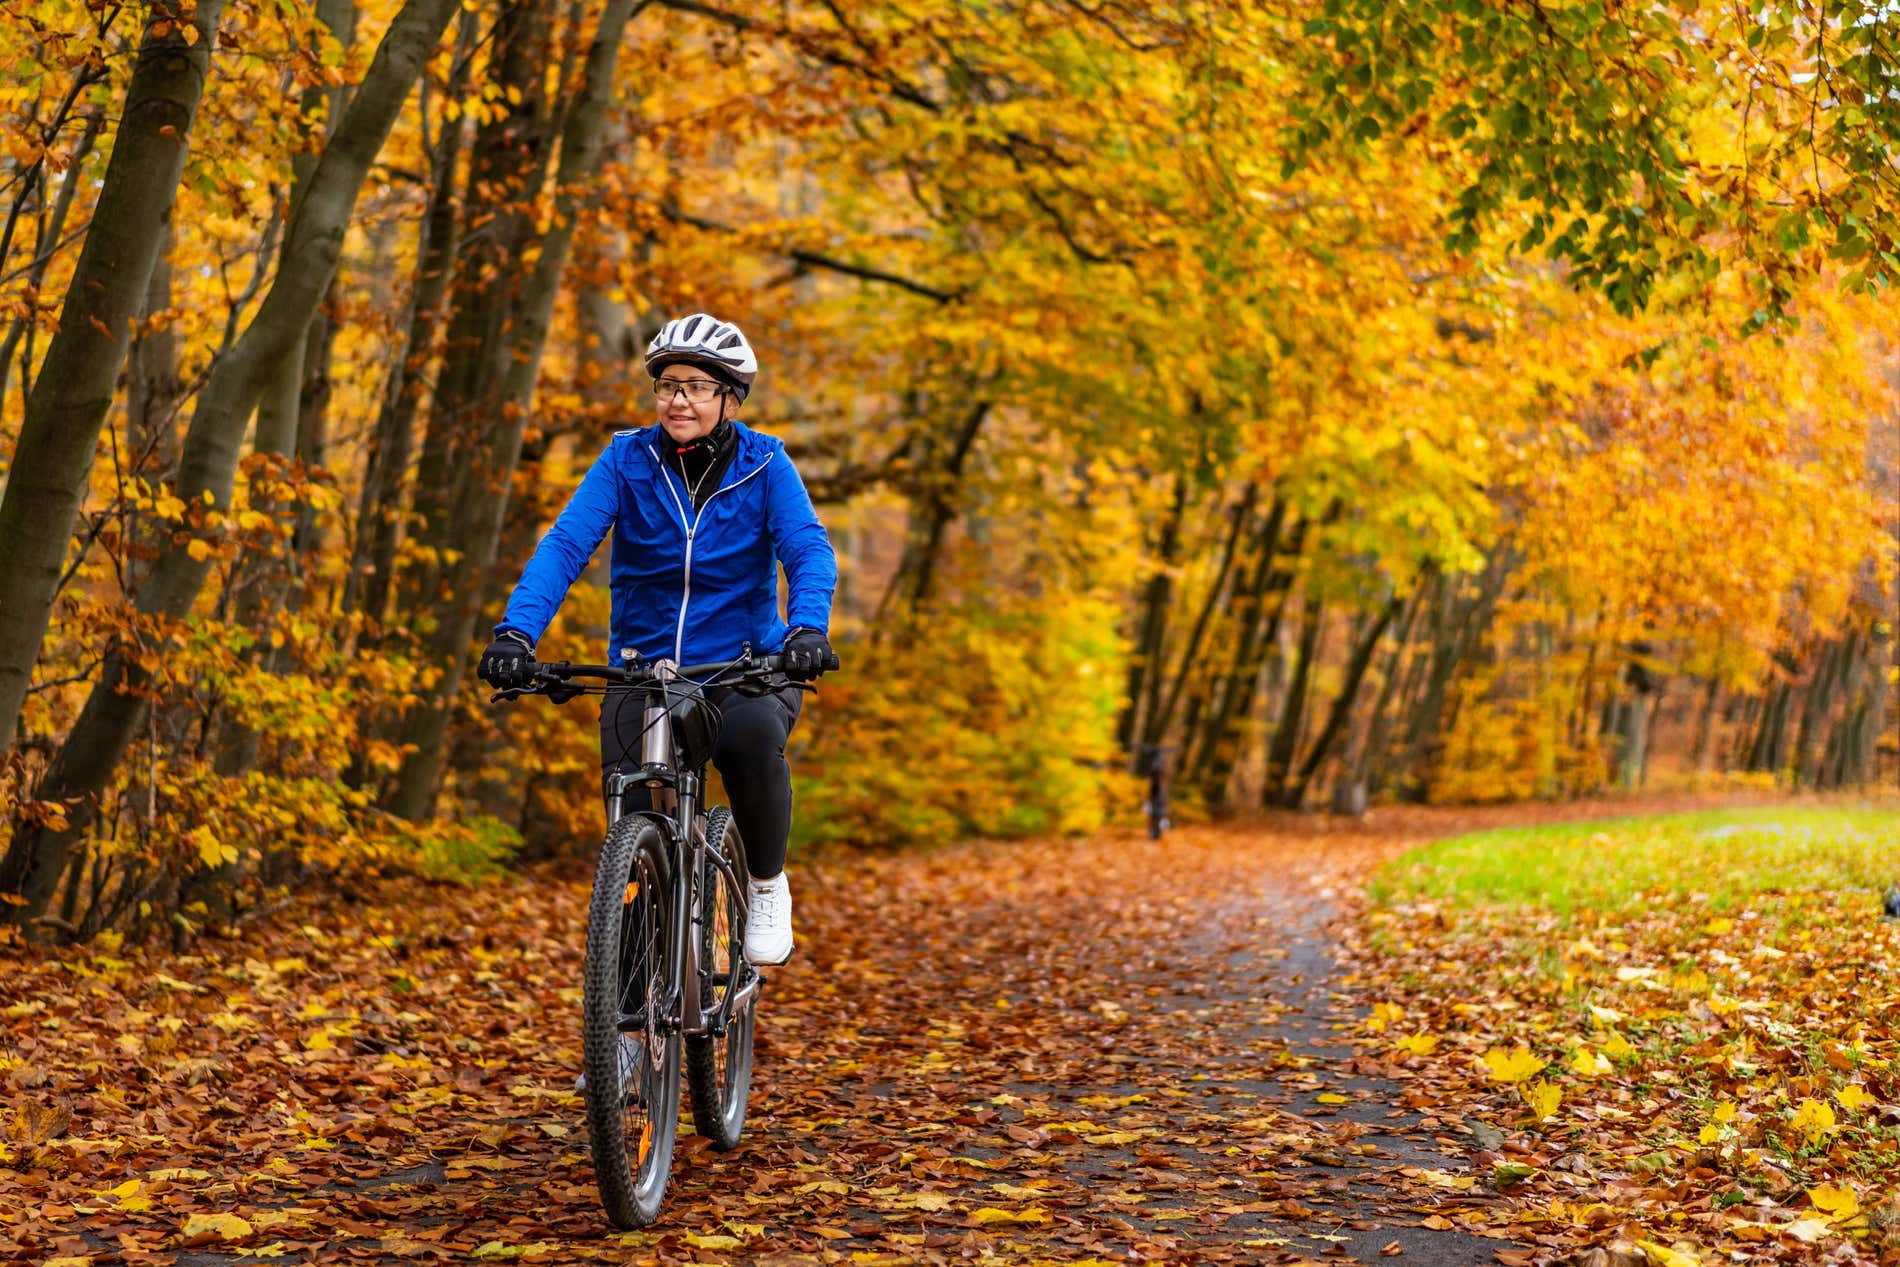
[665, 965]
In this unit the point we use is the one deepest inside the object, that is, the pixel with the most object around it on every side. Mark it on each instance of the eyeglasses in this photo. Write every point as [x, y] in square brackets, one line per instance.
[697, 390]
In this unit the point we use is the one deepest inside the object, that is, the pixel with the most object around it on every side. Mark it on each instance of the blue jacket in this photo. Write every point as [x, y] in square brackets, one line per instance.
[691, 587]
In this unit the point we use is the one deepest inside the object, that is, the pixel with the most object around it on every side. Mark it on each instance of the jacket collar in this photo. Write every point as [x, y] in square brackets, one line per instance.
[754, 450]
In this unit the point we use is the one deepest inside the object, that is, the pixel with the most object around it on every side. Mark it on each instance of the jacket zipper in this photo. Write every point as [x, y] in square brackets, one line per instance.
[692, 530]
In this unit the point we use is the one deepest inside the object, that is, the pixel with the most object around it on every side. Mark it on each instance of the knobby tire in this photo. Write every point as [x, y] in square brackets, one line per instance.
[630, 970]
[720, 1065]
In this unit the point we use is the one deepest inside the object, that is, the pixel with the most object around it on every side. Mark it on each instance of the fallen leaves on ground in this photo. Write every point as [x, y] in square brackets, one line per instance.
[1067, 1051]
[1682, 1084]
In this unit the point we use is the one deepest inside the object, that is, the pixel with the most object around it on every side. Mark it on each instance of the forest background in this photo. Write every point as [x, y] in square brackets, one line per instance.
[1464, 402]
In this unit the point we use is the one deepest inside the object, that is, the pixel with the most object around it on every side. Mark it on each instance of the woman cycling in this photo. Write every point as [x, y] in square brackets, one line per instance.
[703, 509]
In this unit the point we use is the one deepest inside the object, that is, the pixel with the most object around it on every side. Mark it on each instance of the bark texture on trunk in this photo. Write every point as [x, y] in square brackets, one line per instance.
[76, 381]
[36, 857]
[493, 399]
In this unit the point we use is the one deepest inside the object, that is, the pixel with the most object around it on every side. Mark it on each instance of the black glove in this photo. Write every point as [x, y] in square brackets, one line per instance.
[508, 662]
[807, 654]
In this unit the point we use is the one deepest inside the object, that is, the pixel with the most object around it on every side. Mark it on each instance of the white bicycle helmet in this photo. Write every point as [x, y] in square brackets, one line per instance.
[717, 345]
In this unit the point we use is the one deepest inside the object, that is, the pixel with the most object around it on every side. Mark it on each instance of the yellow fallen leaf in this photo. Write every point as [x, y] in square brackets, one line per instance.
[1605, 1015]
[1513, 1066]
[930, 1202]
[1589, 1064]
[200, 1228]
[1617, 1047]
[1384, 1015]
[713, 1241]
[1663, 1256]
[1443, 1179]
[1807, 1231]
[1417, 1044]
[1030, 1214]
[1853, 1096]
[1332, 1097]
[319, 1041]
[1814, 1120]
[832, 1186]
[1839, 1204]
[82, 1260]
[1543, 1098]
[1719, 926]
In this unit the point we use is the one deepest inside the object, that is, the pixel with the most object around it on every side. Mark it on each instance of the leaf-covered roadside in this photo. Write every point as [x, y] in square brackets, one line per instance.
[1697, 1067]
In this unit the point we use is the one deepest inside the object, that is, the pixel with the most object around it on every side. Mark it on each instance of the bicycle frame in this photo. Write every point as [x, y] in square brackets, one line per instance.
[676, 796]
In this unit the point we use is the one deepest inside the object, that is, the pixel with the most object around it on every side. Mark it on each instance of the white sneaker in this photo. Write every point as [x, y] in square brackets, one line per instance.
[768, 927]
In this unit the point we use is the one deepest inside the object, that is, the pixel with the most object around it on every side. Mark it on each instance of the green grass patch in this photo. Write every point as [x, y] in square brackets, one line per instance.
[1725, 856]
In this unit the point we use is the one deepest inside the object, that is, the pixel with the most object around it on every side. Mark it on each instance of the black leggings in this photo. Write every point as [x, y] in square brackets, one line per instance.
[750, 758]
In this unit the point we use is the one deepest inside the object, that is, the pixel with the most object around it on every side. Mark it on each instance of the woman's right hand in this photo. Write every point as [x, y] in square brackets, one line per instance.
[508, 662]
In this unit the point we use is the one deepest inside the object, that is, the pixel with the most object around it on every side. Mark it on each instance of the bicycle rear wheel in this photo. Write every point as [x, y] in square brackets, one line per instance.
[720, 1064]
[629, 1032]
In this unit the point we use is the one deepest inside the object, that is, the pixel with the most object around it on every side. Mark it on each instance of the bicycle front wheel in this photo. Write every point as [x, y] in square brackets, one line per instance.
[720, 1063]
[629, 1031]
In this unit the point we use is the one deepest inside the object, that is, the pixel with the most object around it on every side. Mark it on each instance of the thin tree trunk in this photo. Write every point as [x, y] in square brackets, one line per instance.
[917, 571]
[1402, 675]
[1156, 725]
[1341, 710]
[1286, 734]
[1702, 751]
[36, 855]
[1221, 733]
[48, 245]
[1817, 704]
[379, 512]
[475, 521]
[1145, 667]
[47, 480]
[1464, 628]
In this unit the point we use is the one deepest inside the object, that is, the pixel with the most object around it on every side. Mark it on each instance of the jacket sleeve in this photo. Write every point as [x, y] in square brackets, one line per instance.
[802, 547]
[563, 553]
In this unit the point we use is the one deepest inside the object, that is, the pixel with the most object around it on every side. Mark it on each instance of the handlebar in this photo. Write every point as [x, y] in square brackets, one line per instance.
[557, 679]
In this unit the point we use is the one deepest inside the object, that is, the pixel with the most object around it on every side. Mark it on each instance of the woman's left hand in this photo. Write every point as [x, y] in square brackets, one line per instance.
[806, 655]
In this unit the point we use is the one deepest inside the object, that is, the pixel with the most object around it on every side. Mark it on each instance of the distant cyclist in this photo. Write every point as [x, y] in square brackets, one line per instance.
[703, 510]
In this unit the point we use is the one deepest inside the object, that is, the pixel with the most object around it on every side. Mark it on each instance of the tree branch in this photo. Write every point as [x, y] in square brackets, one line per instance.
[813, 259]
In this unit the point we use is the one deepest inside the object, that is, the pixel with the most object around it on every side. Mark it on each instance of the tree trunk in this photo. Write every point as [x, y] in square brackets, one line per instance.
[502, 397]
[1249, 600]
[47, 480]
[1145, 666]
[1156, 725]
[1817, 705]
[1286, 734]
[1702, 751]
[379, 512]
[1220, 745]
[917, 571]
[1356, 667]
[36, 856]
[1464, 625]
[1402, 675]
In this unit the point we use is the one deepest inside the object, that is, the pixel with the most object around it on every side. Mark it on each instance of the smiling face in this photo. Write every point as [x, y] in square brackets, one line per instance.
[685, 418]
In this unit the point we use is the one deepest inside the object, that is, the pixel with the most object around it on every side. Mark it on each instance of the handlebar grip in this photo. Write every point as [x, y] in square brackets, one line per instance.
[831, 663]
